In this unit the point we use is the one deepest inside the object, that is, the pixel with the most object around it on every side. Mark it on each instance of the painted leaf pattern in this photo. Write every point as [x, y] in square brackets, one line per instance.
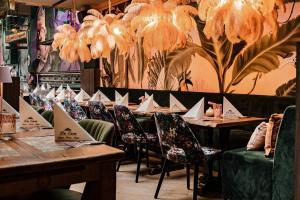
[263, 55]
[287, 89]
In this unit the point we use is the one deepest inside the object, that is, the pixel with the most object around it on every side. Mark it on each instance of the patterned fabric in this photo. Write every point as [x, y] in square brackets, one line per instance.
[129, 128]
[74, 109]
[100, 112]
[131, 138]
[49, 103]
[35, 100]
[178, 142]
[271, 134]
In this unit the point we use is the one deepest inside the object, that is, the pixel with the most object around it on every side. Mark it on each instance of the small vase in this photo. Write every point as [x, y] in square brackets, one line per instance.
[209, 112]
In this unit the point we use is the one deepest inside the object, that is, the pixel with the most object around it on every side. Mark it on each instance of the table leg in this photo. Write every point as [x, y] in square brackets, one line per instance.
[105, 187]
[209, 137]
[224, 138]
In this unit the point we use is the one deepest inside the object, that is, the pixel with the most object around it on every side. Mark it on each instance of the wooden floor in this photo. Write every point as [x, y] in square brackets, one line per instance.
[173, 187]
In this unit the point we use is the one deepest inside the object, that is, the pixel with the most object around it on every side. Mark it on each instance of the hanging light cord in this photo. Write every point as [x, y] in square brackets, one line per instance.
[109, 6]
[292, 11]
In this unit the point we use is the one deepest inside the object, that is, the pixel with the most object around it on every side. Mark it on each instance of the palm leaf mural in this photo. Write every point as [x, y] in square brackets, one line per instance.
[171, 70]
[222, 52]
[155, 66]
[287, 89]
[263, 55]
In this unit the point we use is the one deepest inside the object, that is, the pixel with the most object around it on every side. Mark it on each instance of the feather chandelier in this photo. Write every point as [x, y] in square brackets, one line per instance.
[161, 25]
[72, 45]
[239, 19]
[104, 33]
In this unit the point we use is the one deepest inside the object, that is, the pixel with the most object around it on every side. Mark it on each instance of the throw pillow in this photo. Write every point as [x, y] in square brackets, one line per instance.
[257, 139]
[271, 134]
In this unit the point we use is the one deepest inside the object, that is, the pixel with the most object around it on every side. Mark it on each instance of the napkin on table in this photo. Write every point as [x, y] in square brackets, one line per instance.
[147, 106]
[175, 105]
[197, 111]
[29, 117]
[67, 129]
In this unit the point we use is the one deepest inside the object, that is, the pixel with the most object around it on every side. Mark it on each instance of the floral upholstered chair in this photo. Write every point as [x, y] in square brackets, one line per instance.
[131, 132]
[99, 111]
[74, 110]
[179, 145]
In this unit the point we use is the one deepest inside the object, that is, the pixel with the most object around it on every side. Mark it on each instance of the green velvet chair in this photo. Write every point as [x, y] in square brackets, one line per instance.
[102, 131]
[48, 115]
[249, 175]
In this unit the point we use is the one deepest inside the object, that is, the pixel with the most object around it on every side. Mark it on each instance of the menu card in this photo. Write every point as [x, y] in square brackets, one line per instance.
[6, 107]
[229, 111]
[175, 105]
[121, 100]
[147, 106]
[197, 111]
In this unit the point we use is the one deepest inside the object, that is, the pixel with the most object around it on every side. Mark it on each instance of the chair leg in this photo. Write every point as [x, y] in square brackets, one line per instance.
[188, 176]
[147, 155]
[118, 166]
[119, 163]
[196, 173]
[162, 176]
[140, 154]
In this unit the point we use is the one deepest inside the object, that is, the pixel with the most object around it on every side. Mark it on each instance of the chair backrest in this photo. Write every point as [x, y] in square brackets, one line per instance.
[100, 130]
[283, 169]
[126, 122]
[99, 111]
[173, 132]
[74, 110]
[35, 100]
[48, 115]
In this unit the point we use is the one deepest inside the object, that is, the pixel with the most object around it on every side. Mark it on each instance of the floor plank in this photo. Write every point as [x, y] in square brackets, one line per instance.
[173, 187]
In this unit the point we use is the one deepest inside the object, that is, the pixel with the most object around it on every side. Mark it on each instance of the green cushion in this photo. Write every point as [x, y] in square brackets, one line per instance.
[48, 115]
[56, 194]
[246, 175]
[283, 170]
[100, 130]
[147, 123]
[38, 109]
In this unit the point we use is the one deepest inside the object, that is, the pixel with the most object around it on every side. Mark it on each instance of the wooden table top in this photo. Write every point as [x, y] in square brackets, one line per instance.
[220, 123]
[37, 148]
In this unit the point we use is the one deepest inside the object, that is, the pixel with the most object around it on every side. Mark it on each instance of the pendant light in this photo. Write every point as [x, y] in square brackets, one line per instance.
[239, 19]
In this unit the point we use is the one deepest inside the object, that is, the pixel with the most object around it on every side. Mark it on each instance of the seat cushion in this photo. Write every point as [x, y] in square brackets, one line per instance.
[57, 194]
[246, 175]
[131, 138]
[101, 131]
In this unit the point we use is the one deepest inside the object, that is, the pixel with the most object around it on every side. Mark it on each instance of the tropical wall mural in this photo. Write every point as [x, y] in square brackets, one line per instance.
[266, 67]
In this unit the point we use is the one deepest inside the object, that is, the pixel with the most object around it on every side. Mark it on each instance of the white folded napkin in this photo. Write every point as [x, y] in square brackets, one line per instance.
[99, 96]
[229, 111]
[154, 102]
[36, 89]
[61, 95]
[70, 91]
[25, 87]
[175, 105]
[59, 89]
[147, 106]
[43, 87]
[82, 96]
[197, 111]
[51, 94]
[121, 100]
[6, 107]
[48, 86]
[67, 129]
[29, 117]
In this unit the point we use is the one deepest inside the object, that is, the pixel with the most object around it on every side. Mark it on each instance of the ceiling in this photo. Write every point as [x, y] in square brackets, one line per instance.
[63, 3]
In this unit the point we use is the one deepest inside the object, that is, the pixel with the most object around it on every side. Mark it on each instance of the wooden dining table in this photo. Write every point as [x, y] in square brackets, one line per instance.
[32, 161]
[225, 125]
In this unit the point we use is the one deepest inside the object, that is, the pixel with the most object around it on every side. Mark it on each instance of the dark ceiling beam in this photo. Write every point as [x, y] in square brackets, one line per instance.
[57, 3]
